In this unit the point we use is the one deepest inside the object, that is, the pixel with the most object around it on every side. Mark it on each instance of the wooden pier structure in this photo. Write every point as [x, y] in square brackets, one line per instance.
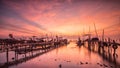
[105, 49]
[27, 46]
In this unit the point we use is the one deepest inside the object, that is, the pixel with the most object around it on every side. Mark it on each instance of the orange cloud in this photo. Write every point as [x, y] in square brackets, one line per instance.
[67, 16]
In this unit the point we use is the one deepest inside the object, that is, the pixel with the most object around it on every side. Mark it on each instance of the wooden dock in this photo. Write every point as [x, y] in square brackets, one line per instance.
[103, 50]
[24, 48]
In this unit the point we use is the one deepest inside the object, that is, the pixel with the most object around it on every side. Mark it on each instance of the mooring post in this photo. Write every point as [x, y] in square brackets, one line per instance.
[7, 54]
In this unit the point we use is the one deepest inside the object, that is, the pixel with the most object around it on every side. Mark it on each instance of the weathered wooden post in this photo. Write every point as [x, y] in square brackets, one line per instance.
[7, 54]
[103, 41]
[114, 47]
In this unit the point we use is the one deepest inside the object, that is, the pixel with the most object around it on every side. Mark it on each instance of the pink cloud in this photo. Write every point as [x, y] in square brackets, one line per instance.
[63, 16]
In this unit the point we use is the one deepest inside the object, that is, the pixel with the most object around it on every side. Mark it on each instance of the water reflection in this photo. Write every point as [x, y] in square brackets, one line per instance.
[106, 50]
[71, 56]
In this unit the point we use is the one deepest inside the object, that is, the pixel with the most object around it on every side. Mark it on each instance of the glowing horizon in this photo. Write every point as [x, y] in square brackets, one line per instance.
[66, 17]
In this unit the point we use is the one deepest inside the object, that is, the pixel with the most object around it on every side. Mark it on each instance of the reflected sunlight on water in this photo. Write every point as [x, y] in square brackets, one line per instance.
[70, 56]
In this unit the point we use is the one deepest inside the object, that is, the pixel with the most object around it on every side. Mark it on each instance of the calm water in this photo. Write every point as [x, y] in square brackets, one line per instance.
[70, 56]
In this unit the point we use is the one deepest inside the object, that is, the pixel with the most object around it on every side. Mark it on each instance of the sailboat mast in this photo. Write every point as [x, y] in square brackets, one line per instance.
[95, 30]
[103, 36]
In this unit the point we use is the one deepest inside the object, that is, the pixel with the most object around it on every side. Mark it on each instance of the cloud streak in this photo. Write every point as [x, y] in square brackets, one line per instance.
[61, 16]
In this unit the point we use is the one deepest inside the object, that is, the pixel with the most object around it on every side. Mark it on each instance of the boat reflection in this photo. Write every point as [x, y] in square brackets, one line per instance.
[69, 56]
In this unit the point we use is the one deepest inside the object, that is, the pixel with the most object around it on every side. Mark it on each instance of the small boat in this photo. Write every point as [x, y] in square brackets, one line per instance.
[80, 43]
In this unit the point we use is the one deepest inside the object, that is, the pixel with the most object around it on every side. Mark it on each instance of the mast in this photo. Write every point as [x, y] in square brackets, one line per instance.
[95, 30]
[89, 33]
[89, 29]
[103, 36]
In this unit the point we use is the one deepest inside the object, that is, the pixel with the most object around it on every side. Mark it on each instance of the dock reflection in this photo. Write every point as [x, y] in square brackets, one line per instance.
[28, 50]
[70, 55]
[105, 50]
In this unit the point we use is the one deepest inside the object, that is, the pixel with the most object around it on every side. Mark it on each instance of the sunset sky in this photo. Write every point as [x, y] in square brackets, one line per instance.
[65, 17]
